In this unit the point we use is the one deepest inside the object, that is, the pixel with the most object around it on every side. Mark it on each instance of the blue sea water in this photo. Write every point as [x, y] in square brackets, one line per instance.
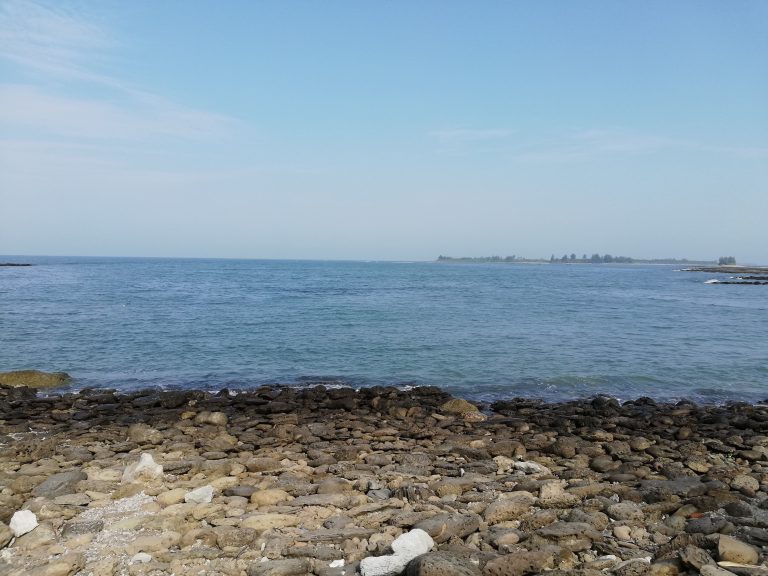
[482, 331]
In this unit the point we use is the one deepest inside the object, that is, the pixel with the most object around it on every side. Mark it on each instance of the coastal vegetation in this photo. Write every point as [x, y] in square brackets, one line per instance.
[584, 259]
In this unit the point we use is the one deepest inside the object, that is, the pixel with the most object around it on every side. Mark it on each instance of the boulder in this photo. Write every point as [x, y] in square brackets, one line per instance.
[732, 550]
[34, 378]
[59, 484]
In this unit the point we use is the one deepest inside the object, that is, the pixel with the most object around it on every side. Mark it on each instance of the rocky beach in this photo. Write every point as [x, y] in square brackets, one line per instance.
[282, 481]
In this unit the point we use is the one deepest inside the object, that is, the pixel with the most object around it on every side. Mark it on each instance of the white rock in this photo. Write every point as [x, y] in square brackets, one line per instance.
[201, 495]
[141, 558]
[336, 564]
[145, 469]
[22, 522]
[406, 547]
[531, 467]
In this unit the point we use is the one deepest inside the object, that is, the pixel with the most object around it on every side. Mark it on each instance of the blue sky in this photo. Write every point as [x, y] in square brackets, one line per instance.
[384, 130]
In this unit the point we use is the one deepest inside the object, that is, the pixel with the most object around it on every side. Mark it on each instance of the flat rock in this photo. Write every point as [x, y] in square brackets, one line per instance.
[59, 484]
[513, 507]
[443, 527]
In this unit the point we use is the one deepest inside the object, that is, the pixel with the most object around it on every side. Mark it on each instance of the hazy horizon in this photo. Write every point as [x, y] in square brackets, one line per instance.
[384, 131]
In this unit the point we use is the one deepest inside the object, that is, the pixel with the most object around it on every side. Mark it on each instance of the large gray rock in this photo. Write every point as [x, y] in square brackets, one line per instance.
[59, 484]
[443, 527]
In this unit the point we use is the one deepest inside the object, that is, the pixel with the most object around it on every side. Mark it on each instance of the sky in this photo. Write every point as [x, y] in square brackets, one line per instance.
[392, 130]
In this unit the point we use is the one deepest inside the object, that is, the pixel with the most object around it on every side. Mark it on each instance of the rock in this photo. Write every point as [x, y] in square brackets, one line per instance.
[525, 562]
[145, 469]
[334, 486]
[744, 569]
[626, 511]
[622, 533]
[290, 567]
[531, 468]
[695, 557]
[442, 564]
[230, 537]
[59, 484]
[22, 522]
[262, 464]
[140, 558]
[154, 543]
[732, 550]
[6, 535]
[269, 497]
[212, 418]
[710, 570]
[72, 500]
[603, 463]
[64, 565]
[171, 497]
[34, 378]
[202, 495]
[745, 484]
[553, 495]
[77, 527]
[443, 527]
[632, 567]
[513, 507]
[664, 568]
[405, 547]
[573, 536]
[458, 406]
[263, 522]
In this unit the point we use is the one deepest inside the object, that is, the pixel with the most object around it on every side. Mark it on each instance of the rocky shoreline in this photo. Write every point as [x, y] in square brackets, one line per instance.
[280, 482]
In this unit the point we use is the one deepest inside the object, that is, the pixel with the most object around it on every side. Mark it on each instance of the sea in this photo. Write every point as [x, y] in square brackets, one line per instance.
[481, 331]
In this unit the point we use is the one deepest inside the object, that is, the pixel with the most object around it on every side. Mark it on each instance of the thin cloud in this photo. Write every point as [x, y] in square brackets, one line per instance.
[54, 42]
[593, 144]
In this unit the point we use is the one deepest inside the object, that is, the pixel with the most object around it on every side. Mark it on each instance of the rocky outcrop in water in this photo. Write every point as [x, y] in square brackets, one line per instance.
[34, 379]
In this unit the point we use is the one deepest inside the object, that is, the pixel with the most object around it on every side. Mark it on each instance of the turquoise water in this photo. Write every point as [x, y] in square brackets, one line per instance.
[479, 330]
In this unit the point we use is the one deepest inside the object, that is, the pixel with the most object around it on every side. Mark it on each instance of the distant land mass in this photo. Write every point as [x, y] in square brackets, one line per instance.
[573, 259]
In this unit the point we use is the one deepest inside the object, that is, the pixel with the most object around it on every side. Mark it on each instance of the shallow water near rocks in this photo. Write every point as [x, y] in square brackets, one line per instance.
[480, 331]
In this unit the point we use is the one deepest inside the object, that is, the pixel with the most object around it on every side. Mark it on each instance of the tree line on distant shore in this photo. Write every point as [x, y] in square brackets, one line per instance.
[593, 259]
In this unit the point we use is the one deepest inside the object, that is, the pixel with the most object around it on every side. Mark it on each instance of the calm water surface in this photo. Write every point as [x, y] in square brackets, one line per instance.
[481, 331]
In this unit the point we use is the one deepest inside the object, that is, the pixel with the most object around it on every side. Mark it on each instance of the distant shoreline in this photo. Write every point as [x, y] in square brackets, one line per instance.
[602, 260]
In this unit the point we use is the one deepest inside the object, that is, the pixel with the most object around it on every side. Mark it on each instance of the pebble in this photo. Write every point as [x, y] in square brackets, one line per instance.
[282, 481]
